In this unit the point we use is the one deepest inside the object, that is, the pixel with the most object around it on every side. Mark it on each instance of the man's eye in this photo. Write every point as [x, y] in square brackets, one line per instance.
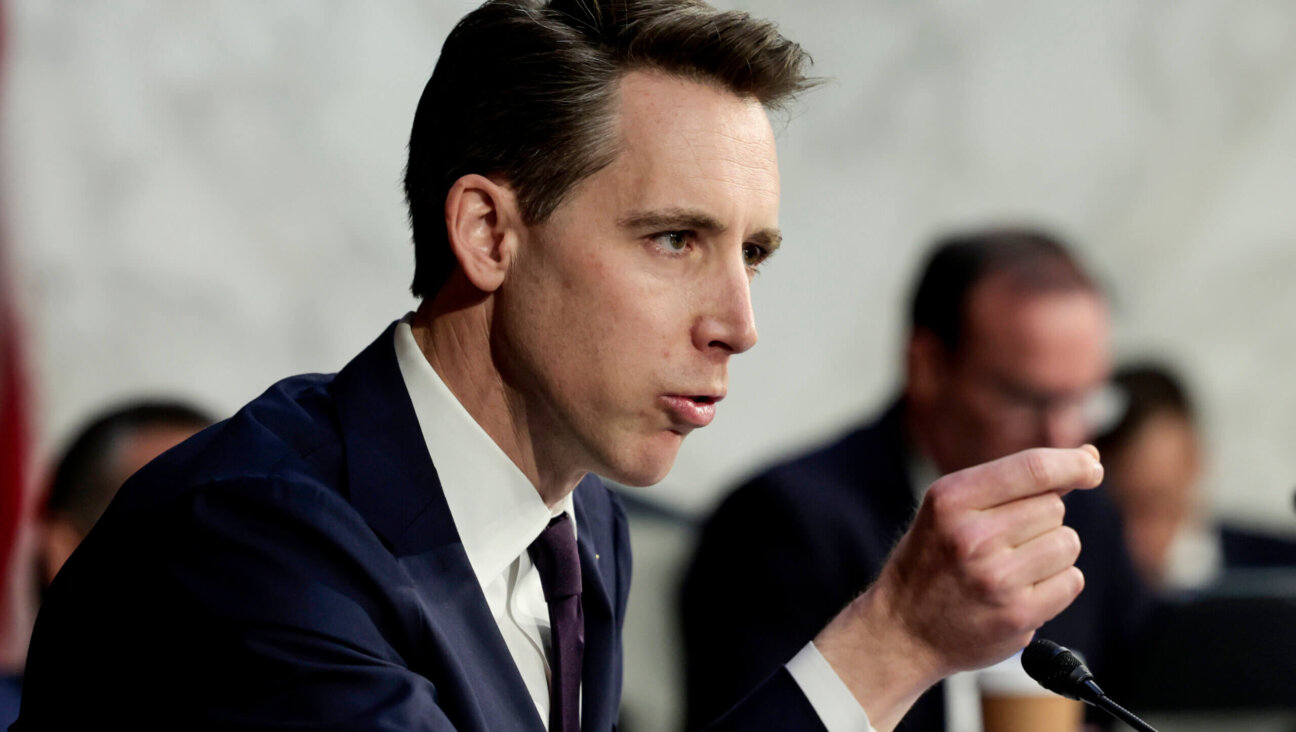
[754, 254]
[672, 241]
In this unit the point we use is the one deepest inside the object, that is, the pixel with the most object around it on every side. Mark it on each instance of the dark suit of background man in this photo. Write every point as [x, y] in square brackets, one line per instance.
[591, 186]
[1008, 344]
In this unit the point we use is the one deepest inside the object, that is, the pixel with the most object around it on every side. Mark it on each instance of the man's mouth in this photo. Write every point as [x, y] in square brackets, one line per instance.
[691, 410]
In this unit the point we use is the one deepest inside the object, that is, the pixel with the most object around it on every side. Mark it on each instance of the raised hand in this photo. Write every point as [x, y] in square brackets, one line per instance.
[986, 562]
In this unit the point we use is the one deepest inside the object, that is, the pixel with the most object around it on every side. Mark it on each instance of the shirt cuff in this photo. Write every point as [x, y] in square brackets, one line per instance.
[827, 693]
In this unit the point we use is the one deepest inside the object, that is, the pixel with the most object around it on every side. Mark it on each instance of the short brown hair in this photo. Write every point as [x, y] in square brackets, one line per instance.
[1037, 262]
[526, 89]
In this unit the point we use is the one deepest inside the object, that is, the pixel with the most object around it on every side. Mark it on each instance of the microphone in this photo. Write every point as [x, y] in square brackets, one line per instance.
[1062, 672]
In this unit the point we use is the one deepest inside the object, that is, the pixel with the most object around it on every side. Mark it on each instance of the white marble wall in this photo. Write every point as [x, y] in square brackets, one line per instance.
[204, 196]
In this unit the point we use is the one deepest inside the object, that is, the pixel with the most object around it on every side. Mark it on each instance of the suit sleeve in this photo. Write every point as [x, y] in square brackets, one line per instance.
[243, 605]
[776, 705]
[754, 596]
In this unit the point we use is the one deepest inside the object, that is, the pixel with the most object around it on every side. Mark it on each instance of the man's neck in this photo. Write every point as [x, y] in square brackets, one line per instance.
[921, 436]
[455, 337]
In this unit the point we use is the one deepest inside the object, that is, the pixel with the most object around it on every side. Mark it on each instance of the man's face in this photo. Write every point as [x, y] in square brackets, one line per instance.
[1025, 375]
[1154, 482]
[615, 324]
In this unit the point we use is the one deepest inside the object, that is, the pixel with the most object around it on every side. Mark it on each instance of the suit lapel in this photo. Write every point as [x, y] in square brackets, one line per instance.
[393, 484]
[480, 680]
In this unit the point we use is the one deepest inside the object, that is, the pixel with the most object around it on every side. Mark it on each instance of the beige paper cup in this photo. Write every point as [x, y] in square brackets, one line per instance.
[1011, 701]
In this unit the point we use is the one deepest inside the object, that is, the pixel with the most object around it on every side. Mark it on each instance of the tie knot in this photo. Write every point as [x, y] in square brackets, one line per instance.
[556, 559]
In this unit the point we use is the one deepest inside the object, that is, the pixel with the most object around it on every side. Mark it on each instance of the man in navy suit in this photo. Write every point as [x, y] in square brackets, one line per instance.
[591, 186]
[1008, 349]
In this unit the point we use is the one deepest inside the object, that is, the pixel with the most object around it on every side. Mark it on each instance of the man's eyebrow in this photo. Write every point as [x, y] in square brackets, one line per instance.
[671, 218]
[768, 238]
[683, 218]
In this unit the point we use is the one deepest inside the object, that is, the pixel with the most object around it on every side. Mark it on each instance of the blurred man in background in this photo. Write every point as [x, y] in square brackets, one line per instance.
[1223, 644]
[1008, 349]
[1156, 458]
[96, 462]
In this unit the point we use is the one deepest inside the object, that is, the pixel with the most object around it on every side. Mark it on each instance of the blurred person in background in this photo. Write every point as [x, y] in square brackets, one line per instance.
[105, 452]
[1224, 642]
[1008, 349]
[1156, 457]
[92, 467]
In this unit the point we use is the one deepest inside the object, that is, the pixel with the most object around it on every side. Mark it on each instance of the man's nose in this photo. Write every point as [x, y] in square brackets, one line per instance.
[726, 323]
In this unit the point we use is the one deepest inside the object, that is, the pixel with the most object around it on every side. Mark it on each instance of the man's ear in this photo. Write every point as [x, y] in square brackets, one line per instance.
[483, 225]
[926, 366]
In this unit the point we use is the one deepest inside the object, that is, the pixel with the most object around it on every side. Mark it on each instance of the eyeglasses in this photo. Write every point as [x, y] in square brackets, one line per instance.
[1022, 409]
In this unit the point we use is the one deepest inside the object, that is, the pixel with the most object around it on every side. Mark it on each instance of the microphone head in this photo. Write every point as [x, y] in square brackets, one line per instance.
[1057, 669]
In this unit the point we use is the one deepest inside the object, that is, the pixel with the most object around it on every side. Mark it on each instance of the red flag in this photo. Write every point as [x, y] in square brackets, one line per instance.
[15, 450]
[15, 443]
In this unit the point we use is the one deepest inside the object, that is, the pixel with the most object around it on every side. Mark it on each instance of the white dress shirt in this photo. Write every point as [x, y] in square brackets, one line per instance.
[496, 510]
[498, 513]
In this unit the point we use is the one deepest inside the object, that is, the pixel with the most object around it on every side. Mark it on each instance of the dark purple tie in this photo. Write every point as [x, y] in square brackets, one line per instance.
[555, 557]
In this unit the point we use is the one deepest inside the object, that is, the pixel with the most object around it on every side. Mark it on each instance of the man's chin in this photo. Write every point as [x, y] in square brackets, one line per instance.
[642, 478]
[648, 467]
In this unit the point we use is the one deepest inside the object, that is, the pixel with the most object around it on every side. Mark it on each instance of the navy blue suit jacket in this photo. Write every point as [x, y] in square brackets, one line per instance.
[296, 567]
[796, 543]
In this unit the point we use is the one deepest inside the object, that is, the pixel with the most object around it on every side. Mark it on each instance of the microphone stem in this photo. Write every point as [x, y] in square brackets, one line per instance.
[1105, 702]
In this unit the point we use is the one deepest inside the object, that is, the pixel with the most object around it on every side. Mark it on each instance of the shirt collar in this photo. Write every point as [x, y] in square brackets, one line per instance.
[495, 508]
[922, 473]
